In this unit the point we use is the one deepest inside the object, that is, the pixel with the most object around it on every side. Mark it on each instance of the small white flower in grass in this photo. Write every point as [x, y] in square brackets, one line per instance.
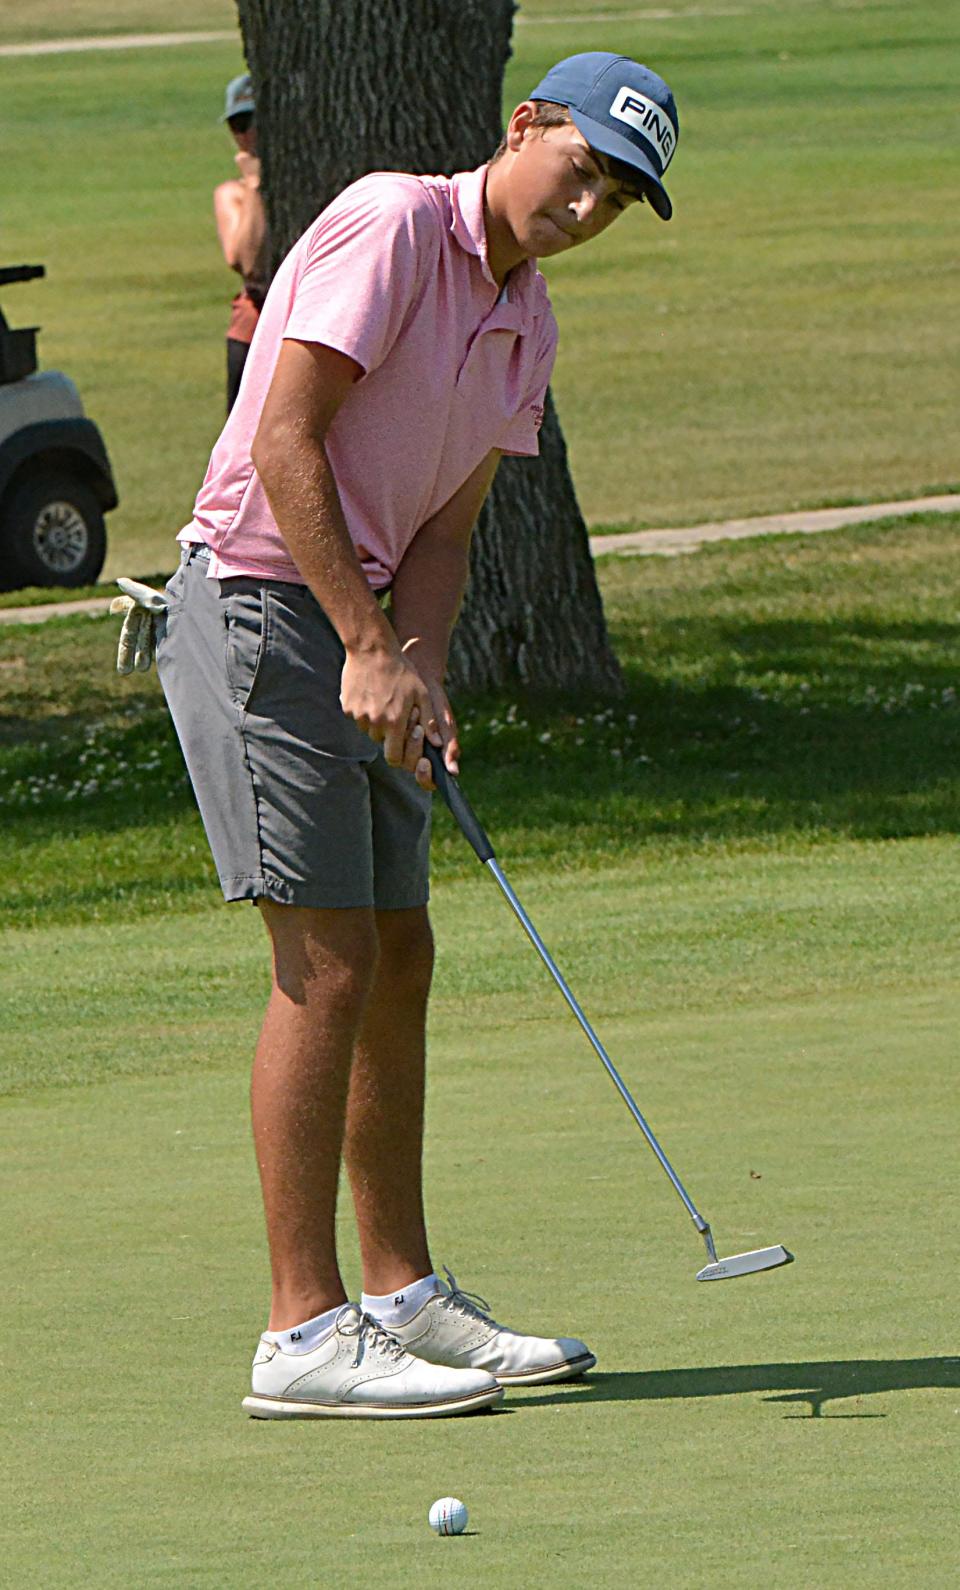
[545, 737]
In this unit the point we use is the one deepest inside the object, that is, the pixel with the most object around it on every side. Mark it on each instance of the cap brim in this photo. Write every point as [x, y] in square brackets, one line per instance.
[610, 143]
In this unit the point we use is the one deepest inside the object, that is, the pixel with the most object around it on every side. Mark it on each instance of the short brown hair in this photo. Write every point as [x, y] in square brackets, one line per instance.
[551, 115]
[548, 115]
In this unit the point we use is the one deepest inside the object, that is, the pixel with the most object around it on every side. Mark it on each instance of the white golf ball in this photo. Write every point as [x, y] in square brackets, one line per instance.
[448, 1516]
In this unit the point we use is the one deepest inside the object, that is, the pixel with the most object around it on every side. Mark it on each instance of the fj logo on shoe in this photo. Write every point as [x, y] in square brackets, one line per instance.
[648, 119]
[296, 1336]
[398, 1300]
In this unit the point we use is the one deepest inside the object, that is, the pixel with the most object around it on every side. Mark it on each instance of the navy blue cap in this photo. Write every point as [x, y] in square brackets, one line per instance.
[623, 110]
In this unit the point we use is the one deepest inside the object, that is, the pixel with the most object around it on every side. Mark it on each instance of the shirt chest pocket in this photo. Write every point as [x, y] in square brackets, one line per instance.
[492, 375]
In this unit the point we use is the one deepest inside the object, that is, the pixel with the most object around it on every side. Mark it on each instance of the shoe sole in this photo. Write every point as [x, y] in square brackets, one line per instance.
[293, 1408]
[568, 1370]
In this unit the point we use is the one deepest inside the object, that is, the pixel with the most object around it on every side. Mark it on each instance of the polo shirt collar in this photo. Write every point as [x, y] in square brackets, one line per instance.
[522, 299]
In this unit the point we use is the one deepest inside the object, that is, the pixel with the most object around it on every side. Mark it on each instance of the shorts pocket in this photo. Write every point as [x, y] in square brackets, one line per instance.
[244, 617]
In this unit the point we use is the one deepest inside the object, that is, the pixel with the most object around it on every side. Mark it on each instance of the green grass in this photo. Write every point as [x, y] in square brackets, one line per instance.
[789, 339]
[762, 920]
[779, 693]
[798, 1077]
[76, 19]
[748, 869]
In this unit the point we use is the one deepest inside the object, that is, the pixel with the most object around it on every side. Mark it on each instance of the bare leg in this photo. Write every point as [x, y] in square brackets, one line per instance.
[384, 1135]
[324, 964]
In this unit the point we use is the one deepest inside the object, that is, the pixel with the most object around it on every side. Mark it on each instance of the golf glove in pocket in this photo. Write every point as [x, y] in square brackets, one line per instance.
[138, 638]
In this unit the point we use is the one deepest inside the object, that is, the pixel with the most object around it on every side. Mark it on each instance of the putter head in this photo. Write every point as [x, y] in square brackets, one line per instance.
[745, 1264]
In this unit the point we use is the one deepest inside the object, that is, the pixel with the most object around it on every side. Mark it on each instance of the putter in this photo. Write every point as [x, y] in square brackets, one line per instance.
[717, 1269]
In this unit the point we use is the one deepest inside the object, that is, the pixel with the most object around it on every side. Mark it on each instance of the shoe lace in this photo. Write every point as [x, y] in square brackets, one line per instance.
[370, 1334]
[467, 1303]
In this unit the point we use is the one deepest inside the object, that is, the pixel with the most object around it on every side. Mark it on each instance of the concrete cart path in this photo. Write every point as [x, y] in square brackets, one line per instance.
[141, 41]
[635, 543]
[93, 605]
[809, 521]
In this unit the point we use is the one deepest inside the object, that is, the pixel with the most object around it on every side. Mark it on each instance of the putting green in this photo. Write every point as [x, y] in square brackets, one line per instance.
[789, 1027]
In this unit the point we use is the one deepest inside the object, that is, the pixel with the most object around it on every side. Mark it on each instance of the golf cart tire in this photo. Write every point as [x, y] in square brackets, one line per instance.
[54, 530]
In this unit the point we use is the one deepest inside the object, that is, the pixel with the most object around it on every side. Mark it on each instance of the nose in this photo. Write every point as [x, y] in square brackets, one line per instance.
[584, 206]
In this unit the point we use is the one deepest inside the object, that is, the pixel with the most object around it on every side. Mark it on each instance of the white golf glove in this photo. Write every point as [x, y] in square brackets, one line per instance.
[138, 637]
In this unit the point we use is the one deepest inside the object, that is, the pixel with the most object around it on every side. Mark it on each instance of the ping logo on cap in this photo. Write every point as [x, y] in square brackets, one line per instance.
[645, 116]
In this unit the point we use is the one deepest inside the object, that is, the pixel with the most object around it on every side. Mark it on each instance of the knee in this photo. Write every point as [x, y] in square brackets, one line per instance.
[406, 949]
[322, 957]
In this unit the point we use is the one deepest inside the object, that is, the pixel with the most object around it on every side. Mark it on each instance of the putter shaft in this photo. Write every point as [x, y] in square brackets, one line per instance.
[614, 1075]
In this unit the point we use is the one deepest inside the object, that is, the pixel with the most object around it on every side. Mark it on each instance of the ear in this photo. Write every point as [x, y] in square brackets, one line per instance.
[519, 125]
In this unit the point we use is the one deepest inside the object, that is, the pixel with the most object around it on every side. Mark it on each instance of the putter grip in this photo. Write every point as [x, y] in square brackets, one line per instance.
[458, 804]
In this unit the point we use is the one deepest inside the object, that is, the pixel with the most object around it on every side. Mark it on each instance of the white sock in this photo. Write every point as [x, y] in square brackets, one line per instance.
[396, 1308]
[304, 1338]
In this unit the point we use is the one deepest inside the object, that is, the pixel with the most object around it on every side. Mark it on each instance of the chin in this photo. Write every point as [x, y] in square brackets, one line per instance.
[544, 240]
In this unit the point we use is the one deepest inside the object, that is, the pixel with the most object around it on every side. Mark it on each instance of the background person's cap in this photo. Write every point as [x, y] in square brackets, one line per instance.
[623, 110]
[239, 97]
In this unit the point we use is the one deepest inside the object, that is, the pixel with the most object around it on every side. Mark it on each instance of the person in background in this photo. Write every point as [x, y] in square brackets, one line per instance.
[242, 228]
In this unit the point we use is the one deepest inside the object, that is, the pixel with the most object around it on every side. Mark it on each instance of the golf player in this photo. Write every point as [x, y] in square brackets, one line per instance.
[405, 344]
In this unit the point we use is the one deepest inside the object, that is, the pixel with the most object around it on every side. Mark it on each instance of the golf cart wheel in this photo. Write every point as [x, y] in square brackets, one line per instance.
[53, 531]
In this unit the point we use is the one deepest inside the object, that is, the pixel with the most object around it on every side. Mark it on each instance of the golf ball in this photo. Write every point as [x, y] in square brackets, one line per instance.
[448, 1516]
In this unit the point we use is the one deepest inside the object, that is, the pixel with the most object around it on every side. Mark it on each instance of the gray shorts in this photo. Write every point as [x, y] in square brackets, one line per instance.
[298, 803]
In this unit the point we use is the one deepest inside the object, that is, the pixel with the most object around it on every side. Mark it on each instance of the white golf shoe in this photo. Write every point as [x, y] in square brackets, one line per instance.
[455, 1328]
[361, 1371]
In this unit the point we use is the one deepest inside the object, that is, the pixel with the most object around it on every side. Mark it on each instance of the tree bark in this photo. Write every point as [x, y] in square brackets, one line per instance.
[344, 87]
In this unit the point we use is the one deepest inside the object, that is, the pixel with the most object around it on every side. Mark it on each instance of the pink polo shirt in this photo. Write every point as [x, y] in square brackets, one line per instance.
[393, 273]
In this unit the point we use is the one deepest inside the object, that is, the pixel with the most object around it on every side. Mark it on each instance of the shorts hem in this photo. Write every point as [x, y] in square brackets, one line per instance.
[268, 886]
[393, 904]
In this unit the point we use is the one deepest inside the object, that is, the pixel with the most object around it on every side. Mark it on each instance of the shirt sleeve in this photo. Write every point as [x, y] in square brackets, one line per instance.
[364, 267]
[521, 437]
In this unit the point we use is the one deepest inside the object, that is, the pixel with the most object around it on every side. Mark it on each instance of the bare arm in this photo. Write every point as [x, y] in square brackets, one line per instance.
[379, 687]
[241, 225]
[428, 591]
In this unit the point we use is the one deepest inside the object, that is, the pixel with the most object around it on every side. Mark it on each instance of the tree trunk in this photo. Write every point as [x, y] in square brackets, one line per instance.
[344, 87]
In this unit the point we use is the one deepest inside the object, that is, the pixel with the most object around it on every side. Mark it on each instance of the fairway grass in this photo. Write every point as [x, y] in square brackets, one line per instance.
[789, 1026]
[790, 339]
[779, 694]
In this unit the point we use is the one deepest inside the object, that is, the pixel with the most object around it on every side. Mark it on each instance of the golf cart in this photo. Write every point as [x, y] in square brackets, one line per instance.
[56, 483]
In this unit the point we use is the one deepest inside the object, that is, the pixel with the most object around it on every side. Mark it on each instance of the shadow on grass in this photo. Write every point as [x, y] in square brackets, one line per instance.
[813, 1384]
[728, 729]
